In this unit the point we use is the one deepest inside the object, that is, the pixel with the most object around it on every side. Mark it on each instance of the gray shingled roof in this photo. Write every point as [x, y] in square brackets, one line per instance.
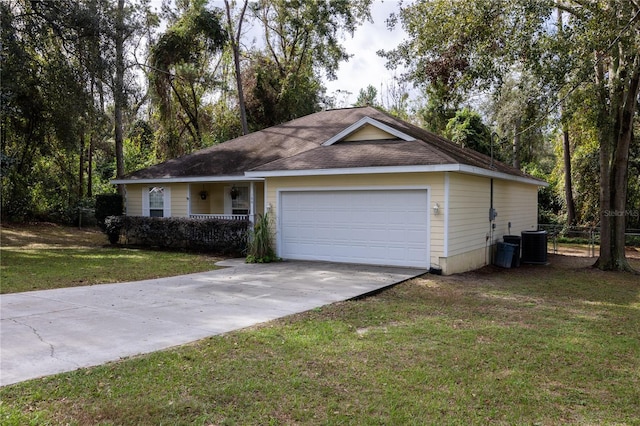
[297, 145]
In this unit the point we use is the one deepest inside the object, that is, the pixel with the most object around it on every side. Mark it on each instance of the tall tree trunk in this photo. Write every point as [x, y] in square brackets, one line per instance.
[235, 46]
[620, 170]
[118, 92]
[81, 168]
[566, 145]
[615, 134]
[92, 132]
[604, 131]
[90, 167]
[568, 183]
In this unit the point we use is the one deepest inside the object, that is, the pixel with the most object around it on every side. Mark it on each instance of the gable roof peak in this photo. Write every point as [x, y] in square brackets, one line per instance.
[368, 121]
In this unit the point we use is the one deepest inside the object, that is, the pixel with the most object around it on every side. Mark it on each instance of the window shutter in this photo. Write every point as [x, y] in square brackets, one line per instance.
[167, 202]
[145, 201]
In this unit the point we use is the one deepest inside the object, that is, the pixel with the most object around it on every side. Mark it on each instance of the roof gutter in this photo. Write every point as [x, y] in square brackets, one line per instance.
[190, 179]
[460, 168]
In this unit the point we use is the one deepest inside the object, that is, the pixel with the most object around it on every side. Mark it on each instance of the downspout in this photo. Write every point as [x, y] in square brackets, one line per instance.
[492, 211]
[492, 224]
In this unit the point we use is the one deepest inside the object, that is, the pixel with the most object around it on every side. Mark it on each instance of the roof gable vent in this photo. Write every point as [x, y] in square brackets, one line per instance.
[368, 128]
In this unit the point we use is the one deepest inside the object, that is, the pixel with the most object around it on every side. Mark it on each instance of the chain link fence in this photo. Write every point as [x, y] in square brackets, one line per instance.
[581, 240]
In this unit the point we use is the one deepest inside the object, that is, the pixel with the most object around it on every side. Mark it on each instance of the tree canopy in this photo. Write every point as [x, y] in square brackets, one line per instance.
[181, 74]
[467, 130]
[592, 45]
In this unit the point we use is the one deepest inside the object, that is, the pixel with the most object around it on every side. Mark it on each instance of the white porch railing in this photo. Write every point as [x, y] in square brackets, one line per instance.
[220, 216]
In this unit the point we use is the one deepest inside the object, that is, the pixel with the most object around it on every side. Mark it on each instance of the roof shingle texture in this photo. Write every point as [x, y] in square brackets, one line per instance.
[297, 145]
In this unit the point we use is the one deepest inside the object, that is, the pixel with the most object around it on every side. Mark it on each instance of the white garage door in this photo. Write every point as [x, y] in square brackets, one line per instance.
[387, 227]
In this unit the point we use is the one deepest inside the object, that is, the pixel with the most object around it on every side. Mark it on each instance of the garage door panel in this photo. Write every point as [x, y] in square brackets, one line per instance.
[414, 217]
[397, 254]
[375, 227]
[416, 237]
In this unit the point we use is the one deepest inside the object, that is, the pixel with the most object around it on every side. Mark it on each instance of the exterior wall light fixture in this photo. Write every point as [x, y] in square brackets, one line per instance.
[436, 209]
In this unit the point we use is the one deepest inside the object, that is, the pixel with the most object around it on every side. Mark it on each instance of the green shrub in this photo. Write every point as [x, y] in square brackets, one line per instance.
[222, 236]
[113, 227]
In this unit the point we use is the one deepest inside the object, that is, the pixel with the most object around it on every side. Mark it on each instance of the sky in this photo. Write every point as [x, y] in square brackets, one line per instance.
[365, 67]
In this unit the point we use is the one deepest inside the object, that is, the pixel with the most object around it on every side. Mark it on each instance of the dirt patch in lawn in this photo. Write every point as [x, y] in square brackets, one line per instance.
[585, 251]
[561, 262]
[49, 235]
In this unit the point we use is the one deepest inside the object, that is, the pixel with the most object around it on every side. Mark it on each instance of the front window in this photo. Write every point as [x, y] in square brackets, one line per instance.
[240, 204]
[156, 201]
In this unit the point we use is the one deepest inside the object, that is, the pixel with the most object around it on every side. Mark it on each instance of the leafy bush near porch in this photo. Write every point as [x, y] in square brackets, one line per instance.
[215, 235]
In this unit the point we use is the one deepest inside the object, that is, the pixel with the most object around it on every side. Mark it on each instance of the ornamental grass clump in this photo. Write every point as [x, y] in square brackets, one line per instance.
[260, 244]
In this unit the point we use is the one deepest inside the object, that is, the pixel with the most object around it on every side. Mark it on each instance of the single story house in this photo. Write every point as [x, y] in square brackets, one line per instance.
[351, 185]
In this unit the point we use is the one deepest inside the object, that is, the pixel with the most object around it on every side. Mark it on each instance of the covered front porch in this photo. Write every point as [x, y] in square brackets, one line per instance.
[233, 200]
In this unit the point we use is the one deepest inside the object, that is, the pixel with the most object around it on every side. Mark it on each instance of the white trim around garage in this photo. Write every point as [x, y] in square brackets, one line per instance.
[282, 192]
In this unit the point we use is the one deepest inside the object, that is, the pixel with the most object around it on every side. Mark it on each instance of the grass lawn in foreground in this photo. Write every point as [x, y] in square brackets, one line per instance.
[45, 256]
[547, 345]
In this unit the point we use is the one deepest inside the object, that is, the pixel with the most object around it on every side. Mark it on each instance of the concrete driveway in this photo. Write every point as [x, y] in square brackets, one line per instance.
[53, 331]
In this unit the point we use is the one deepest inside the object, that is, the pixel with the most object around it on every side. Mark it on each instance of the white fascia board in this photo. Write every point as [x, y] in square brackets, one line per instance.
[348, 171]
[478, 171]
[192, 179]
[364, 121]
[398, 169]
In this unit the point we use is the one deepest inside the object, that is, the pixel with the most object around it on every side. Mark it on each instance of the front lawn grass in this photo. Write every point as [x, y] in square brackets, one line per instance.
[46, 256]
[547, 345]
[40, 269]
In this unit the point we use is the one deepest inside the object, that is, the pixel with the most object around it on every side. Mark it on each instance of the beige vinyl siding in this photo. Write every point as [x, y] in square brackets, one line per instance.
[368, 133]
[516, 203]
[214, 204]
[469, 226]
[435, 182]
[464, 262]
[133, 200]
[259, 197]
[179, 199]
[198, 205]
[469, 202]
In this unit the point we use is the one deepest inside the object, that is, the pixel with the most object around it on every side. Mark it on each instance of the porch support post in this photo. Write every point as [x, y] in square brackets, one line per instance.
[252, 203]
[189, 200]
